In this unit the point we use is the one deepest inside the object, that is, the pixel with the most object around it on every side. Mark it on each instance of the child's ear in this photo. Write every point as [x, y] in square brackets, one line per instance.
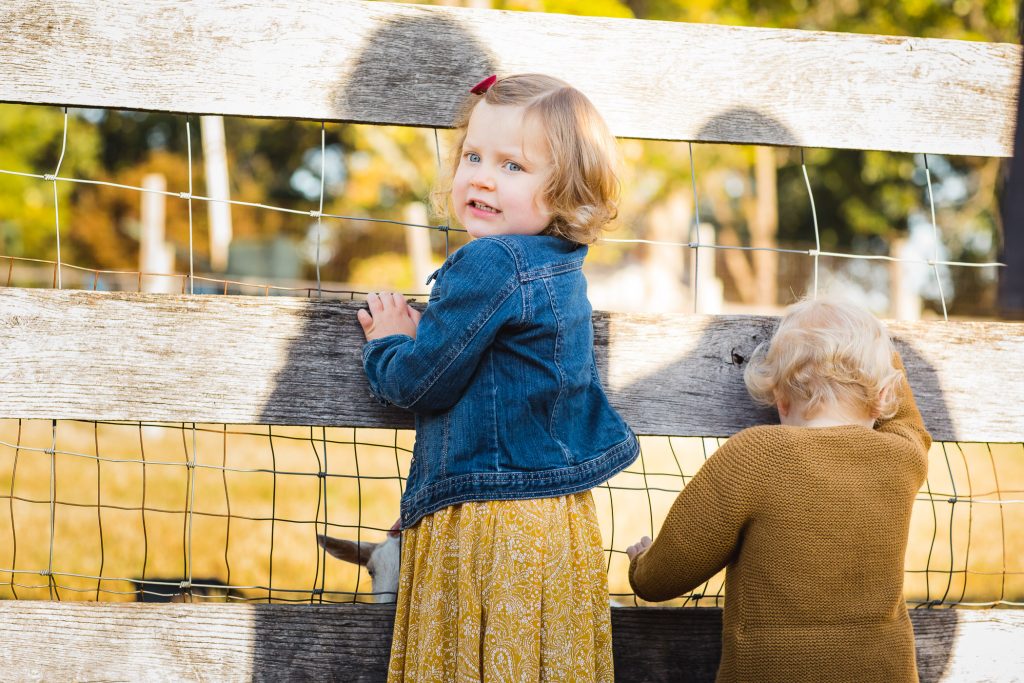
[782, 405]
[875, 412]
[885, 397]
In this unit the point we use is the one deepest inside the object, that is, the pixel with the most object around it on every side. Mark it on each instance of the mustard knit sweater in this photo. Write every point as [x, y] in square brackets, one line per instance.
[811, 525]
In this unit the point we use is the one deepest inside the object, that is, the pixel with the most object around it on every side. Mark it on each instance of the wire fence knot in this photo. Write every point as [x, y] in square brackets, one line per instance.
[45, 572]
[813, 252]
[185, 585]
[185, 195]
[316, 214]
[442, 228]
[49, 176]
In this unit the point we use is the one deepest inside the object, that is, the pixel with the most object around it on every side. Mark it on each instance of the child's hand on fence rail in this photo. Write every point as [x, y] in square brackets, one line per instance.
[389, 313]
[638, 547]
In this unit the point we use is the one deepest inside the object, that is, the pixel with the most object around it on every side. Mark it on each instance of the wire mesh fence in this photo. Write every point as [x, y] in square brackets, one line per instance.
[146, 511]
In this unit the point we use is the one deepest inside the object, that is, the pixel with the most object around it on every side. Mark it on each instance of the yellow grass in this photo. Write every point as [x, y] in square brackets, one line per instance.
[232, 519]
[235, 509]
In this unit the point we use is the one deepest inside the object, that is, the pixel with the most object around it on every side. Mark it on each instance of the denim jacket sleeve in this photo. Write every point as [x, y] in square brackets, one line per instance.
[431, 372]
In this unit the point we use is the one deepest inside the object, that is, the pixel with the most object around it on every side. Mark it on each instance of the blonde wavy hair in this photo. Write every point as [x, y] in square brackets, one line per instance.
[583, 191]
[827, 353]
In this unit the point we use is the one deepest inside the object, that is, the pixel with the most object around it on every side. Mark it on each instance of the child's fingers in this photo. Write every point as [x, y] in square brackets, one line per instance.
[638, 547]
[390, 301]
[365, 319]
[374, 302]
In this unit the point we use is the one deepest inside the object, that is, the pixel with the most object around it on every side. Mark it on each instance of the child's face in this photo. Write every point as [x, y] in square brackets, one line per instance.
[504, 167]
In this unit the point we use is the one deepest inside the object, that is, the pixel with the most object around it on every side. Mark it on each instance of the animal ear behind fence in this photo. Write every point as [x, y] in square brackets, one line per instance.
[380, 559]
[347, 551]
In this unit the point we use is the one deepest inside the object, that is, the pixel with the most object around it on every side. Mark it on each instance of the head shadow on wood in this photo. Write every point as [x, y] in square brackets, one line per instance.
[724, 127]
[429, 61]
[699, 389]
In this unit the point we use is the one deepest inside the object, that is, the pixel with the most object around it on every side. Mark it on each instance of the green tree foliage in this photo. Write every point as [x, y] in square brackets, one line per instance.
[31, 142]
[989, 20]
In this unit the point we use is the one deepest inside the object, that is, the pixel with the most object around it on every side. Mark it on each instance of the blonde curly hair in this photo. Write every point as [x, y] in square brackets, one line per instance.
[826, 353]
[583, 190]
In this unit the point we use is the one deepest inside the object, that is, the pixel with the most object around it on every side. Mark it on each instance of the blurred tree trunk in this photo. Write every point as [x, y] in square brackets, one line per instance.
[215, 162]
[664, 267]
[764, 226]
[417, 244]
[1011, 278]
[638, 7]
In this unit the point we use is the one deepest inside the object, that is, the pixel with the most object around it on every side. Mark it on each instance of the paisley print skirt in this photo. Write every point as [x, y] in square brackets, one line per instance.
[504, 591]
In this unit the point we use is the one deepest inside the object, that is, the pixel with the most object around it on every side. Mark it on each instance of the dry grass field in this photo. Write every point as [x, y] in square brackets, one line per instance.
[129, 508]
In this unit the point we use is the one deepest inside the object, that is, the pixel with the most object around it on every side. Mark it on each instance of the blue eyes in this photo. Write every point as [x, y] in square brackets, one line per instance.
[474, 158]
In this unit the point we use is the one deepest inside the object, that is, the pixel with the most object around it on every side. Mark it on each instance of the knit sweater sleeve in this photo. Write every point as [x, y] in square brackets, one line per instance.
[703, 528]
[906, 423]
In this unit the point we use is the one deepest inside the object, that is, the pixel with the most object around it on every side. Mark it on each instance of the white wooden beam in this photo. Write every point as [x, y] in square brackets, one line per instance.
[377, 62]
[116, 641]
[281, 360]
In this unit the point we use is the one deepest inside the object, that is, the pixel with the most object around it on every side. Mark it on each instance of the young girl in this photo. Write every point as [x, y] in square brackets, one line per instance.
[810, 517]
[503, 574]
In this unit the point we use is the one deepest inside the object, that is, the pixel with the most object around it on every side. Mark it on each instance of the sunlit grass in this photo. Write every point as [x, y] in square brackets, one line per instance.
[247, 514]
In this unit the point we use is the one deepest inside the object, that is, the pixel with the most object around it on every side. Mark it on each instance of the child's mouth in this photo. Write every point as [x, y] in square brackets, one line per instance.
[480, 206]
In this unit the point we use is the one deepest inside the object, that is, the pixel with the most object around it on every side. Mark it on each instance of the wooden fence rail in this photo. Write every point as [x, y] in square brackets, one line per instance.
[377, 62]
[280, 360]
[218, 642]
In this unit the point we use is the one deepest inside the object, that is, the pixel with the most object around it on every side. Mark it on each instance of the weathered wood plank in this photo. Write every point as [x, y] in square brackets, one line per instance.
[108, 641]
[257, 360]
[343, 60]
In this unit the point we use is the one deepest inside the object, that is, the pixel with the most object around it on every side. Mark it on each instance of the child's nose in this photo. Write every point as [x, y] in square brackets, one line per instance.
[483, 179]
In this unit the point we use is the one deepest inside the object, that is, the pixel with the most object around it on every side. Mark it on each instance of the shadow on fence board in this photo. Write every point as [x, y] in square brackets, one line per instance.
[44, 640]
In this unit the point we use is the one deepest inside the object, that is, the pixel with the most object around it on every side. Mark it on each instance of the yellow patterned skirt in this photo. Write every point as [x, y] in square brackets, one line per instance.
[504, 591]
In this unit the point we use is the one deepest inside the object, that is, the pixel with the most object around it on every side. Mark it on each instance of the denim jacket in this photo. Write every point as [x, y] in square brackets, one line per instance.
[502, 380]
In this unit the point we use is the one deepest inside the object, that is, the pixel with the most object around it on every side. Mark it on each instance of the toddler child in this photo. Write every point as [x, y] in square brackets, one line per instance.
[809, 518]
[503, 574]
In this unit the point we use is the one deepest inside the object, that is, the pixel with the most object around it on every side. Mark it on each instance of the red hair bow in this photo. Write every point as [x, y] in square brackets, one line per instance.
[484, 85]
